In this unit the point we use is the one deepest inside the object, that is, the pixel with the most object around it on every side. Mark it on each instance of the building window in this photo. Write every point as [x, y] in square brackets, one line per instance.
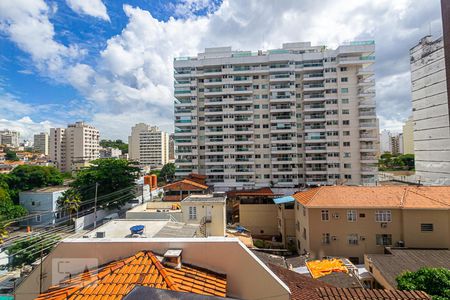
[426, 227]
[304, 233]
[38, 218]
[383, 216]
[352, 239]
[344, 79]
[343, 69]
[325, 215]
[351, 215]
[325, 238]
[344, 101]
[344, 90]
[345, 111]
[192, 213]
[384, 239]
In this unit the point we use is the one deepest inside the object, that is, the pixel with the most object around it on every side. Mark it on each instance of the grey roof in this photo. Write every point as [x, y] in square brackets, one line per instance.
[204, 198]
[268, 258]
[177, 230]
[341, 280]
[401, 260]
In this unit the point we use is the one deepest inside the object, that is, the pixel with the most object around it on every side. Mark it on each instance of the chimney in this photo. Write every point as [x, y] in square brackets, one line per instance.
[172, 258]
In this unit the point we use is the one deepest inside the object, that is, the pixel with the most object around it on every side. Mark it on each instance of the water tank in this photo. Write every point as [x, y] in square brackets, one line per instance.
[137, 229]
[154, 181]
[147, 180]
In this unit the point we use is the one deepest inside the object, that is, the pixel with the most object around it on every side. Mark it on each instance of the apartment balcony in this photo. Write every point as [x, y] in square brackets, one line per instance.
[311, 118]
[315, 149]
[316, 171]
[368, 125]
[366, 82]
[281, 68]
[283, 118]
[313, 77]
[367, 148]
[316, 159]
[215, 161]
[213, 111]
[314, 128]
[214, 92]
[369, 159]
[317, 182]
[280, 150]
[246, 111]
[185, 162]
[243, 150]
[242, 80]
[313, 87]
[243, 171]
[286, 181]
[283, 129]
[213, 81]
[369, 170]
[215, 171]
[281, 138]
[368, 137]
[365, 72]
[214, 101]
[237, 90]
[284, 171]
[281, 77]
[242, 120]
[313, 108]
[281, 159]
[313, 97]
[356, 60]
[366, 93]
[315, 139]
[282, 108]
[309, 67]
[367, 104]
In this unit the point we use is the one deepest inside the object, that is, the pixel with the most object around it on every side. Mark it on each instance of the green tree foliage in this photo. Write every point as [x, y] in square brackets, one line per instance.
[70, 201]
[434, 281]
[388, 161]
[27, 251]
[115, 144]
[116, 176]
[167, 172]
[11, 155]
[27, 177]
[8, 210]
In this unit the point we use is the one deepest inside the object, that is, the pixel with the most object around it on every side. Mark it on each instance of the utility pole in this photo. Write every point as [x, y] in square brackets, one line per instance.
[95, 206]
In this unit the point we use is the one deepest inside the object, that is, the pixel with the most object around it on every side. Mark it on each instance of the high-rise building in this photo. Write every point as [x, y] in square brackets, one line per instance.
[408, 136]
[431, 117]
[171, 147]
[41, 143]
[293, 116]
[9, 138]
[148, 145]
[73, 147]
[385, 141]
[109, 152]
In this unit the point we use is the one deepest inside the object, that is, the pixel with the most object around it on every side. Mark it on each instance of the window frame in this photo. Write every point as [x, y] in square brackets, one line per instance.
[385, 214]
[383, 236]
[354, 213]
[192, 212]
[325, 212]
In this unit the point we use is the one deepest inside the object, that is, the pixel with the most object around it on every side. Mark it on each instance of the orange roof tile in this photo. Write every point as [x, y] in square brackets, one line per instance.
[117, 279]
[265, 191]
[185, 185]
[409, 197]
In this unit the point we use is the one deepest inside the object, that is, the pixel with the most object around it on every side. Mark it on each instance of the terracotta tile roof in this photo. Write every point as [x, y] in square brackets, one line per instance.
[185, 185]
[368, 294]
[176, 198]
[409, 197]
[117, 279]
[265, 191]
[305, 288]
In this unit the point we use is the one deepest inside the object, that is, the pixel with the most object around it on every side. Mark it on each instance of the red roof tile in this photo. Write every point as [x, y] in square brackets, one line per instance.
[118, 278]
[252, 192]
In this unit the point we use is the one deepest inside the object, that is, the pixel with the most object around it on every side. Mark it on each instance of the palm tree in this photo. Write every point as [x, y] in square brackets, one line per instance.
[70, 200]
[4, 230]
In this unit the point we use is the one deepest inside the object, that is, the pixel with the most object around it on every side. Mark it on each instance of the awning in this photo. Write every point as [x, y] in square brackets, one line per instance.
[282, 200]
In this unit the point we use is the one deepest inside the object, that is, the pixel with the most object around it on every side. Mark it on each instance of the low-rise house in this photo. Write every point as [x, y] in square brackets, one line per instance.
[255, 210]
[42, 203]
[158, 268]
[349, 221]
[178, 190]
[386, 267]
[206, 210]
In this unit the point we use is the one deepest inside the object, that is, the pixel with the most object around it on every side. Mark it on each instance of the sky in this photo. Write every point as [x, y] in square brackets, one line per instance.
[110, 62]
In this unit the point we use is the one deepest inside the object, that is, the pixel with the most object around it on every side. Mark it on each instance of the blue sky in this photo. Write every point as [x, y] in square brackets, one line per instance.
[110, 62]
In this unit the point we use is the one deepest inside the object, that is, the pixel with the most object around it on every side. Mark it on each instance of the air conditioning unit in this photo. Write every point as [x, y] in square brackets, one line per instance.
[383, 225]
[334, 238]
[362, 238]
[100, 234]
[336, 216]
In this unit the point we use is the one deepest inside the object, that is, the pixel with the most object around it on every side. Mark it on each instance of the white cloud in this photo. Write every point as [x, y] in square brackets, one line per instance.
[26, 126]
[94, 8]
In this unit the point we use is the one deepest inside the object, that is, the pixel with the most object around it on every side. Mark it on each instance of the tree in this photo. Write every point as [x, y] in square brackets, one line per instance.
[168, 172]
[119, 144]
[8, 210]
[434, 281]
[408, 160]
[115, 178]
[11, 155]
[26, 251]
[70, 201]
[27, 177]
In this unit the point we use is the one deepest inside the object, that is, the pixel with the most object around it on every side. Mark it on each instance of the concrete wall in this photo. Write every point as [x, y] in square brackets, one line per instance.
[260, 219]
[86, 221]
[247, 277]
[415, 238]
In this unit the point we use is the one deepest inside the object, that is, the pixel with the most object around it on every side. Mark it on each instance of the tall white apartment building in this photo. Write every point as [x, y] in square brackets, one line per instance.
[430, 101]
[74, 147]
[300, 115]
[41, 144]
[9, 138]
[148, 145]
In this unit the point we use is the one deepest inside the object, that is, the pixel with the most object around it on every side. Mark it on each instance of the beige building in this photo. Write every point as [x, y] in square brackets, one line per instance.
[206, 210]
[350, 221]
[73, 147]
[408, 136]
[148, 145]
[41, 143]
[9, 138]
[299, 115]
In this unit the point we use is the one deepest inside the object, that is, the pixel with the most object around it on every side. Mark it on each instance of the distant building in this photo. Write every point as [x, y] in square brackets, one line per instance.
[9, 138]
[408, 136]
[431, 109]
[148, 145]
[43, 204]
[178, 190]
[171, 147]
[391, 142]
[109, 152]
[72, 148]
[41, 143]
[349, 221]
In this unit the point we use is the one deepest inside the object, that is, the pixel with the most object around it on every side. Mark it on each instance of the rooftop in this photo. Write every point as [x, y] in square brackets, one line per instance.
[252, 192]
[50, 189]
[120, 228]
[205, 198]
[406, 197]
[185, 185]
[399, 260]
[116, 279]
